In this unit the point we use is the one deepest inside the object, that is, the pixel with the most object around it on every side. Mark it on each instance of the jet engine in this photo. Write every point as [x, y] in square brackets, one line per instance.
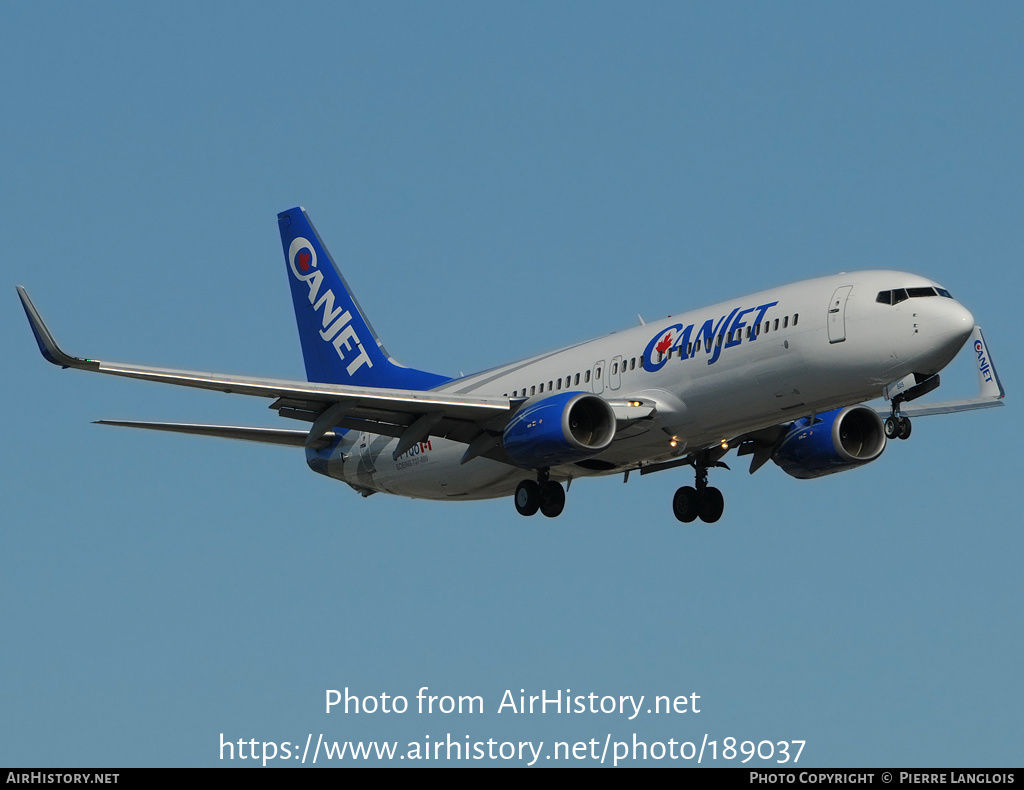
[559, 429]
[837, 440]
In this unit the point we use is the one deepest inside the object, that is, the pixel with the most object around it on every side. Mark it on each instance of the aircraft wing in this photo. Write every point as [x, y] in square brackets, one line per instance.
[948, 407]
[410, 415]
[280, 436]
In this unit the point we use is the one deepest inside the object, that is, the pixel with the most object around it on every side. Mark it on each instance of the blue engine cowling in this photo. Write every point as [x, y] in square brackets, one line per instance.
[838, 440]
[559, 429]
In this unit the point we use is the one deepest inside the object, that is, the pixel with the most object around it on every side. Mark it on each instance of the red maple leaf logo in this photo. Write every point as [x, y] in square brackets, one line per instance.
[664, 343]
[304, 259]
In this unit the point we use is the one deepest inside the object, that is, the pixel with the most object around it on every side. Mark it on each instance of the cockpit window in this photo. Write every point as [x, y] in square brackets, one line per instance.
[894, 296]
[897, 295]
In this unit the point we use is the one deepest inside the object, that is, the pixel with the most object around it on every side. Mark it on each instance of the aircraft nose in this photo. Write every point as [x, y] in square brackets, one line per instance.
[958, 322]
[948, 330]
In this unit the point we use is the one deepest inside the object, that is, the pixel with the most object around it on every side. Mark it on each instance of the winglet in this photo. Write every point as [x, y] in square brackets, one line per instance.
[47, 345]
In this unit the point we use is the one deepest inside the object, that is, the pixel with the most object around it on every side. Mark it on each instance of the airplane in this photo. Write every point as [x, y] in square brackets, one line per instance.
[782, 375]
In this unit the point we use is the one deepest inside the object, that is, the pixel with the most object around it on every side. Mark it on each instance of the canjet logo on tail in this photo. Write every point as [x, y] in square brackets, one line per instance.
[337, 330]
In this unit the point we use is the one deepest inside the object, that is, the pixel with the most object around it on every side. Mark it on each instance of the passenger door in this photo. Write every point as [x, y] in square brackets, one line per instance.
[837, 314]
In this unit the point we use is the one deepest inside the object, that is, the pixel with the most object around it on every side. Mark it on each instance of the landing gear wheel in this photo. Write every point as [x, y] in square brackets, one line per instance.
[892, 428]
[904, 429]
[527, 497]
[711, 506]
[552, 498]
[685, 504]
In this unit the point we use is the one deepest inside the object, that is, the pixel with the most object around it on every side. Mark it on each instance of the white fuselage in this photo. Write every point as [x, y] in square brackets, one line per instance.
[712, 374]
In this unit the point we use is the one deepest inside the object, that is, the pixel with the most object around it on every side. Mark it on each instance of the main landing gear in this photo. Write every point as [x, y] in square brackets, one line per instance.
[703, 501]
[897, 427]
[544, 495]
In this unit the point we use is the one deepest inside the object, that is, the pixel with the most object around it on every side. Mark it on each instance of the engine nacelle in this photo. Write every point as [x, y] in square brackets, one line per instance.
[838, 440]
[559, 429]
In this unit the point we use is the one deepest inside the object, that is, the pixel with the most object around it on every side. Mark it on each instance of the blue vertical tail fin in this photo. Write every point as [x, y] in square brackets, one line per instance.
[339, 345]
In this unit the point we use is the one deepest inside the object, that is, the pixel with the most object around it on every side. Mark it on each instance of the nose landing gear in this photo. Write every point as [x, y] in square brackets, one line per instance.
[544, 495]
[703, 501]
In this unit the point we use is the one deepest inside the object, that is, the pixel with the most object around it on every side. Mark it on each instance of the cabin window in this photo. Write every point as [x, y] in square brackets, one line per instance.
[785, 322]
[586, 377]
[597, 374]
[533, 390]
[796, 317]
[577, 378]
[615, 366]
[776, 327]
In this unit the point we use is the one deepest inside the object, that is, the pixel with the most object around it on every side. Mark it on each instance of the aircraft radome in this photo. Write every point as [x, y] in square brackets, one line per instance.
[780, 375]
